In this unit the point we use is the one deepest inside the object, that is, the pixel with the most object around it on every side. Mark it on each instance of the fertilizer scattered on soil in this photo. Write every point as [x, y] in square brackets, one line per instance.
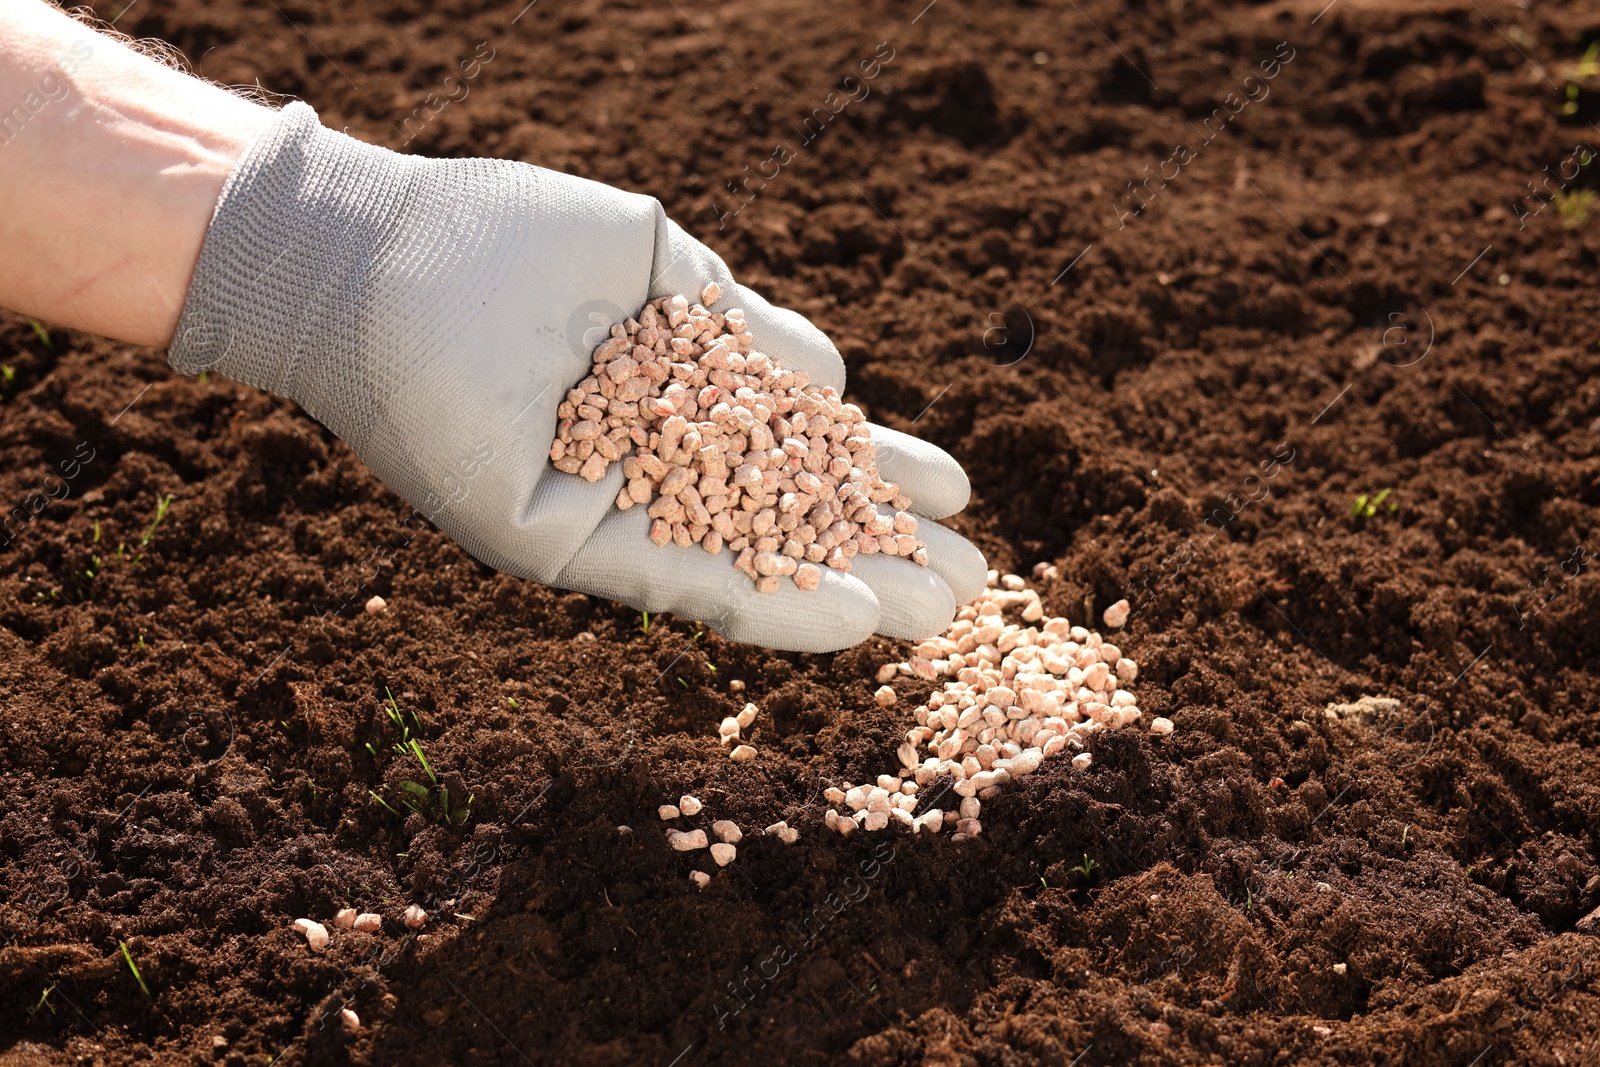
[1017, 693]
[687, 840]
[316, 934]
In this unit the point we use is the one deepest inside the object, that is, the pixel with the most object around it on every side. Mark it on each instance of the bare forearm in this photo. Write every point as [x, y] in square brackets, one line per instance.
[110, 165]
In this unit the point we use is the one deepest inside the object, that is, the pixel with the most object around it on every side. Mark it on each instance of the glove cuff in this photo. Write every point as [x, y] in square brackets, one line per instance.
[287, 259]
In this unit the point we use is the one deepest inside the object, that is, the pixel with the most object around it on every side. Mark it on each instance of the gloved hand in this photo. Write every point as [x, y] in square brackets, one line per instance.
[433, 314]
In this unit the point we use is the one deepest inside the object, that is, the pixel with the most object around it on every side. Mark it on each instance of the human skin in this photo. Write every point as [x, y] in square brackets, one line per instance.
[110, 166]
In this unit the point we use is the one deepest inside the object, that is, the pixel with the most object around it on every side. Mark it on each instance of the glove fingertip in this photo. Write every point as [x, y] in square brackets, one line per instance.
[955, 559]
[916, 602]
[842, 611]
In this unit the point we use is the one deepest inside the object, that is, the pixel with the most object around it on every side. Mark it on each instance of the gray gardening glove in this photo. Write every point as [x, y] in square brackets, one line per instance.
[433, 314]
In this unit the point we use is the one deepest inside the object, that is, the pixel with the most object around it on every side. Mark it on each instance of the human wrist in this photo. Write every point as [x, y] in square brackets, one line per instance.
[111, 166]
[194, 152]
[280, 280]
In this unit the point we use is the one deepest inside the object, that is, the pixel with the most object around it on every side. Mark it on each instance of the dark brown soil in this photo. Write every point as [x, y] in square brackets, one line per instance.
[1351, 288]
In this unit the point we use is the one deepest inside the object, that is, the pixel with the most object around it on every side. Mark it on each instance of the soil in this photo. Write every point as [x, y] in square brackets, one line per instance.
[1376, 279]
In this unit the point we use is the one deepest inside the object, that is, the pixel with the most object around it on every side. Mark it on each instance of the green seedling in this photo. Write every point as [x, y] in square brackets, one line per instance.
[95, 565]
[1405, 835]
[416, 750]
[84, 580]
[1573, 207]
[644, 622]
[1087, 867]
[163, 506]
[163, 509]
[1366, 507]
[391, 707]
[44, 1001]
[134, 967]
[431, 799]
[8, 377]
[40, 332]
[513, 702]
[1587, 67]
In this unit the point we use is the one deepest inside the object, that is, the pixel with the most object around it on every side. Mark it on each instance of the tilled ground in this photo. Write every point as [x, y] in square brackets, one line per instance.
[1331, 278]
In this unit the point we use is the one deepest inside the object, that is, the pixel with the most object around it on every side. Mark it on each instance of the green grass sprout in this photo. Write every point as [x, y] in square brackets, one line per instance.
[1573, 207]
[44, 1001]
[1366, 507]
[134, 967]
[1587, 67]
